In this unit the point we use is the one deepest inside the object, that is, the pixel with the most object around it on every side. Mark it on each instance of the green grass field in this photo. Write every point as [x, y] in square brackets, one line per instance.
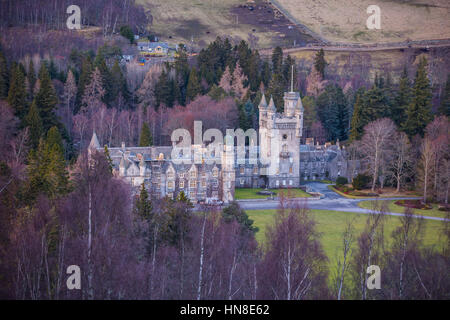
[331, 225]
[249, 193]
[392, 207]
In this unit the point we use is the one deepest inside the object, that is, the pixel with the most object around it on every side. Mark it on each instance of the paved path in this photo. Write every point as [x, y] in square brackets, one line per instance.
[331, 201]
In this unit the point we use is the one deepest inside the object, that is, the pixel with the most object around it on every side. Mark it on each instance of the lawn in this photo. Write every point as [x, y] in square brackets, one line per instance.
[331, 225]
[249, 193]
[392, 207]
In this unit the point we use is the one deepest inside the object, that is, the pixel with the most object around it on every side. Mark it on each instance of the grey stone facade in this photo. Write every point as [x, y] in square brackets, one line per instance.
[279, 160]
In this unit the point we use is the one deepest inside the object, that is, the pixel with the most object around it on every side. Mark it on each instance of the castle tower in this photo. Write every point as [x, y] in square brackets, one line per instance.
[279, 140]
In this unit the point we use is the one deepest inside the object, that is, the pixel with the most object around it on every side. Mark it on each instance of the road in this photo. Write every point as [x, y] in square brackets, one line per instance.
[331, 201]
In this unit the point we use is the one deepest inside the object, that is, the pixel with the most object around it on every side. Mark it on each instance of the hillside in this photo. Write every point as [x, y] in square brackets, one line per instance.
[345, 20]
[199, 22]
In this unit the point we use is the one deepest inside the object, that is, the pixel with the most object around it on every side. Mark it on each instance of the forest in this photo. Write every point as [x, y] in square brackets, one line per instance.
[62, 205]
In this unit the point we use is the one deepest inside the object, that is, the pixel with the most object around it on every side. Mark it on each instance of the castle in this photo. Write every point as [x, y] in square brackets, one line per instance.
[279, 161]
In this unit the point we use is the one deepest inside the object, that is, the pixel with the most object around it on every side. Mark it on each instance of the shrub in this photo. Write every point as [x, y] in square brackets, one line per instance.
[341, 181]
[360, 181]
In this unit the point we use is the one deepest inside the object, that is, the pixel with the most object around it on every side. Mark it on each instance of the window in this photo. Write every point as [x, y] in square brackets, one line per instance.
[241, 170]
[285, 148]
[204, 183]
[215, 172]
[255, 170]
[170, 184]
[277, 183]
[285, 136]
[193, 174]
[182, 184]
[170, 175]
[290, 170]
[181, 175]
[242, 181]
[192, 184]
[203, 174]
[284, 182]
[290, 182]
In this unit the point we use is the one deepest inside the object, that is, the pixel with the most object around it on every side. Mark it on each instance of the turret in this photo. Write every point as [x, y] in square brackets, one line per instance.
[142, 167]
[122, 167]
[271, 108]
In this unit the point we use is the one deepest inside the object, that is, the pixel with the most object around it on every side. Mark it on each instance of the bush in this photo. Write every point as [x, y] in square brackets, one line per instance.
[341, 181]
[360, 181]
[126, 32]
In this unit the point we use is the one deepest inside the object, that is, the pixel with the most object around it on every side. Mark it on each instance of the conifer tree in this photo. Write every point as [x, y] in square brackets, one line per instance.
[358, 122]
[100, 63]
[145, 139]
[4, 76]
[108, 158]
[17, 95]
[320, 63]
[193, 87]
[444, 107]
[54, 140]
[277, 60]
[31, 76]
[85, 78]
[34, 122]
[419, 110]
[402, 100]
[143, 204]
[46, 99]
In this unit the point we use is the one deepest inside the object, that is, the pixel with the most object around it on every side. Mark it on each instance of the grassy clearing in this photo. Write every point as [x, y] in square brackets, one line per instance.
[199, 20]
[331, 225]
[249, 193]
[392, 207]
[345, 20]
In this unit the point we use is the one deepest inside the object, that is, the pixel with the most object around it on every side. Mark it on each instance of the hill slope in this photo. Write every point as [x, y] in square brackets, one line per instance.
[345, 20]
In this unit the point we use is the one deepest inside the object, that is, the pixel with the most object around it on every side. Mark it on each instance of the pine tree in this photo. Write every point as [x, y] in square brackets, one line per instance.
[70, 92]
[108, 158]
[143, 204]
[100, 64]
[118, 83]
[145, 139]
[277, 60]
[320, 63]
[444, 107]
[54, 140]
[85, 78]
[34, 122]
[46, 99]
[163, 90]
[47, 172]
[193, 87]
[276, 90]
[287, 72]
[333, 112]
[4, 76]
[31, 76]
[358, 122]
[402, 100]
[17, 96]
[419, 110]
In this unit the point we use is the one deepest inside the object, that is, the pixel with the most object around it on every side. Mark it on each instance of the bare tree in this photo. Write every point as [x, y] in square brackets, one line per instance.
[347, 239]
[376, 145]
[400, 167]
[425, 169]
